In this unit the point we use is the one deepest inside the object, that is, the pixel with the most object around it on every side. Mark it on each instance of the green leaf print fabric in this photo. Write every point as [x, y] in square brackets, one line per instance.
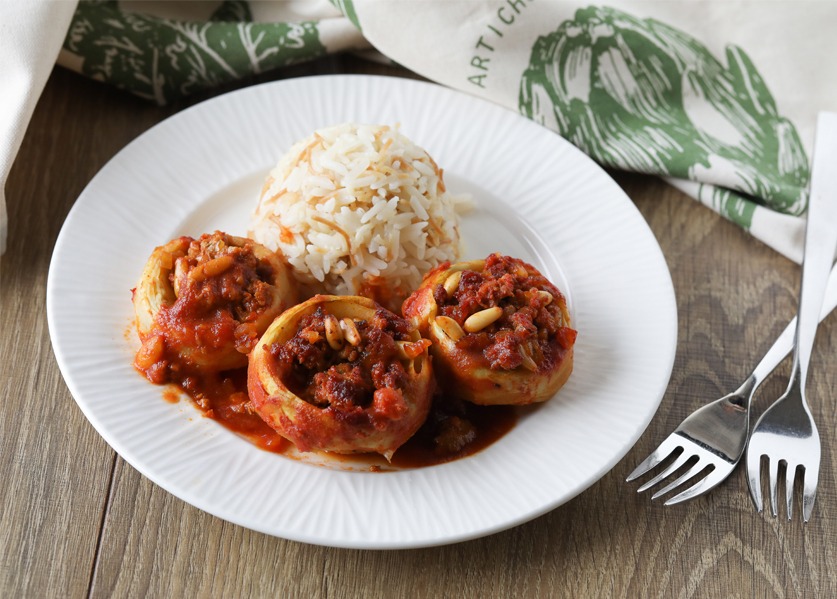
[642, 96]
[163, 59]
[672, 89]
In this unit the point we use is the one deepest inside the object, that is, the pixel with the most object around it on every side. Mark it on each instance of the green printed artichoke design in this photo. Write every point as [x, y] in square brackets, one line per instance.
[163, 59]
[639, 95]
[347, 7]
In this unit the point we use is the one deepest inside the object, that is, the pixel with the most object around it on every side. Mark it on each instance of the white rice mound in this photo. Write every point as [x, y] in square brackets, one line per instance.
[359, 209]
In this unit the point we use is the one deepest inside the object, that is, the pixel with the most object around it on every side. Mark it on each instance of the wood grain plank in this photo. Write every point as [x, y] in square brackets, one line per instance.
[53, 465]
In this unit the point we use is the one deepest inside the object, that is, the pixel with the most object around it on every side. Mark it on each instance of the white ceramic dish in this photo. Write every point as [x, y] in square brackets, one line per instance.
[539, 199]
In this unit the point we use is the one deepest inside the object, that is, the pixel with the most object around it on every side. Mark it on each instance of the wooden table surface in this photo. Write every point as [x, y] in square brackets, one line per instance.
[77, 521]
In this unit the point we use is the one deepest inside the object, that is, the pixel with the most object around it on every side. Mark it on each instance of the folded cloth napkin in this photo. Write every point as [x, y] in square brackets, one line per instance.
[30, 36]
[719, 98]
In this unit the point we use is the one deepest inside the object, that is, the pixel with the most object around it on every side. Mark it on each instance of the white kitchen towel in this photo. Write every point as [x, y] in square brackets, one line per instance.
[31, 34]
[718, 97]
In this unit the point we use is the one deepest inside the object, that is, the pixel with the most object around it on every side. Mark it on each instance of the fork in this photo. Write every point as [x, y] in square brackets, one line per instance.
[716, 434]
[786, 432]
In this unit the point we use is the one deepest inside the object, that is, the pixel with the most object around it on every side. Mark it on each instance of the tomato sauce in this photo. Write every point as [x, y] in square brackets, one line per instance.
[223, 397]
[171, 394]
[453, 429]
[452, 434]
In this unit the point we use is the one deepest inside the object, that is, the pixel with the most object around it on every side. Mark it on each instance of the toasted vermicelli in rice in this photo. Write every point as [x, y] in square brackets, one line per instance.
[359, 209]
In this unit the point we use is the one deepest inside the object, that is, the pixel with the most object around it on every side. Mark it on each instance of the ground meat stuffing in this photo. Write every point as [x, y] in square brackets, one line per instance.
[221, 290]
[217, 277]
[450, 425]
[369, 374]
[532, 323]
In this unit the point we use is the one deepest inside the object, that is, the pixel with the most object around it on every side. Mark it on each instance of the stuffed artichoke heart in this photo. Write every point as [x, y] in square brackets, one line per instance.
[500, 331]
[203, 304]
[342, 374]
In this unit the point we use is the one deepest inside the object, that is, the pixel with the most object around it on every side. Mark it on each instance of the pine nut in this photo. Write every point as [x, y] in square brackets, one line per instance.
[450, 327]
[546, 295]
[179, 271]
[483, 318]
[151, 352]
[350, 331]
[334, 334]
[212, 268]
[431, 314]
[528, 362]
[452, 282]
[520, 271]
[197, 273]
[218, 265]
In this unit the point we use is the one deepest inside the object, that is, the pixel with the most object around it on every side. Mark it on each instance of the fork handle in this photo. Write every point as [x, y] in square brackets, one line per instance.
[820, 243]
[784, 343]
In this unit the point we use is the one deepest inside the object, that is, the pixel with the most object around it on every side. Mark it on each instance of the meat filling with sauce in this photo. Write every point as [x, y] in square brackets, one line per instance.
[505, 313]
[349, 365]
[221, 290]
[220, 280]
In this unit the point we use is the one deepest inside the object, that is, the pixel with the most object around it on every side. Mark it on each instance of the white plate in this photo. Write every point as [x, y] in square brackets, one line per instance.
[539, 199]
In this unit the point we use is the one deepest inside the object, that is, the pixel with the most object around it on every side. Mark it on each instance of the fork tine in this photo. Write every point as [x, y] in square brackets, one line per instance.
[754, 477]
[790, 474]
[809, 492]
[681, 459]
[657, 456]
[773, 474]
[646, 465]
[712, 480]
[690, 473]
